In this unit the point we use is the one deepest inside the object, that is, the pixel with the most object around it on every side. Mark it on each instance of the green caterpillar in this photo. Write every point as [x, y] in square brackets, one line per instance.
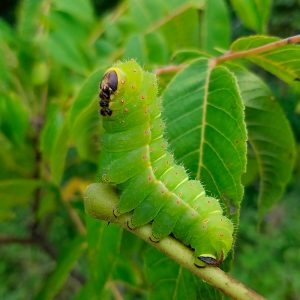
[135, 158]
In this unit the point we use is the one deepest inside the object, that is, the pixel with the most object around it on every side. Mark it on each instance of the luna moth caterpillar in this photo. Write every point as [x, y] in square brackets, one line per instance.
[136, 159]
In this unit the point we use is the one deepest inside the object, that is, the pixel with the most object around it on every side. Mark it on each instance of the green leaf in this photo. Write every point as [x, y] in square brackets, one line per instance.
[253, 13]
[54, 143]
[65, 52]
[185, 23]
[86, 95]
[168, 280]
[65, 263]
[128, 268]
[155, 23]
[206, 129]
[80, 9]
[157, 48]
[283, 62]
[135, 48]
[84, 122]
[270, 138]
[14, 120]
[8, 57]
[86, 132]
[215, 26]
[29, 17]
[16, 192]
[103, 248]
[59, 153]
[15, 161]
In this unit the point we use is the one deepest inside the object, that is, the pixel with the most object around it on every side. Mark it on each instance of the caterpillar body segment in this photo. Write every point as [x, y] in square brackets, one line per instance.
[151, 184]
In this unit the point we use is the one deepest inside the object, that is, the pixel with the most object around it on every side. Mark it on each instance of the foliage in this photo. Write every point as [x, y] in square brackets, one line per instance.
[52, 56]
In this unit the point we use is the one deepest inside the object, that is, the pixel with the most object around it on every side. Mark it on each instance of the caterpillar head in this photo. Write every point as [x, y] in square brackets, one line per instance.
[122, 78]
[108, 87]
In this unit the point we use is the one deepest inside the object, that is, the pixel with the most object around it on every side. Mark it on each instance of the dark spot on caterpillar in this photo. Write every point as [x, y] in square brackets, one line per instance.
[297, 79]
[108, 86]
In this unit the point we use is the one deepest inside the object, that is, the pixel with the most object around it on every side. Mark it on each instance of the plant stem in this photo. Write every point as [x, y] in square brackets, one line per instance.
[169, 69]
[100, 201]
[231, 55]
[15, 240]
[271, 46]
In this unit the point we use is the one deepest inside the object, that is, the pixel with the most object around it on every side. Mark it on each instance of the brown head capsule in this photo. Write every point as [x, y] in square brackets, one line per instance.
[108, 86]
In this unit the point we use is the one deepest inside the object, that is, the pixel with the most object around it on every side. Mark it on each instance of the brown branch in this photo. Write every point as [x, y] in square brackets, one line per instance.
[271, 46]
[15, 240]
[37, 126]
[231, 55]
[169, 69]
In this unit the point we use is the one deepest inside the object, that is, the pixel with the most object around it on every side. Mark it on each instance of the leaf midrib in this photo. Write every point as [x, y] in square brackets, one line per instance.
[203, 123]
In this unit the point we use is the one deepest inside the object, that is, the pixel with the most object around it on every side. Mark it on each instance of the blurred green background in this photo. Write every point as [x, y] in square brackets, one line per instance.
[47, 50]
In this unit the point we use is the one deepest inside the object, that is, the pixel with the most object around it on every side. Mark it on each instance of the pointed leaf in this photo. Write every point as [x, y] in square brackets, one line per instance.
[168, 280]
[86, 95]
[59, 153]
[17, 191]
[29, 17]
[283, 62]
[81, 9]
[104, 245]
[215, 26]
[253, 13]
[206, 130]
[270, 138]
[66, 261]
[86, 132]
[54, 143]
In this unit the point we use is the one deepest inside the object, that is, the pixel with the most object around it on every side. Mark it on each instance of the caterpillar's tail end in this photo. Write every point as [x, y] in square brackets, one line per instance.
[208, 260]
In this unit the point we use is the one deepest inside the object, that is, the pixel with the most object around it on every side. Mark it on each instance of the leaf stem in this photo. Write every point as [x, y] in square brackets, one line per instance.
[100, 201]
[231, 55]
[169, 69]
